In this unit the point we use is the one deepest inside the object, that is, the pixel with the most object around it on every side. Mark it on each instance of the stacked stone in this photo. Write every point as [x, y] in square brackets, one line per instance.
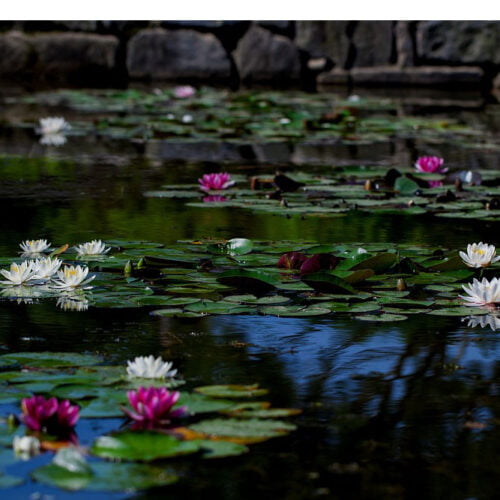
[359, 53]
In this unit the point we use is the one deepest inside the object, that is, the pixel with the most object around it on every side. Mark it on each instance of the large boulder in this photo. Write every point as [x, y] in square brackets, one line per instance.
[163, 54]
[70, 56]
[15, 53]
[455, 42]
[373, 43]
[325, 39]
[262, 56]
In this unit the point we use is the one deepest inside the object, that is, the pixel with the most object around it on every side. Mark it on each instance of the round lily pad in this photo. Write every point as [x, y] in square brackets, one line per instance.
[141, 445]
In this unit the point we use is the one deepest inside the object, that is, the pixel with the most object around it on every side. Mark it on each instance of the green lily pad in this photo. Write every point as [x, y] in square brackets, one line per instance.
[105, 476]
[295, 311]
[244, 431]
[200, 403]
[50, 359]
[220, 449]
[382, 317]
[378, 263]
[9, 481]
[324, 281]
[141, 445]
[231, 391]
[247, 279]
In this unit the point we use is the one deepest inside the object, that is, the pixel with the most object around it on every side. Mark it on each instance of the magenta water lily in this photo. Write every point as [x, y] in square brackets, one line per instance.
[215, 181]
[430, 165]
[152, 407]
[49, 415]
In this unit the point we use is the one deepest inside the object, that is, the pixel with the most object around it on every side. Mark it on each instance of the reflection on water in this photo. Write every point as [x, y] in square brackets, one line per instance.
[391, 410]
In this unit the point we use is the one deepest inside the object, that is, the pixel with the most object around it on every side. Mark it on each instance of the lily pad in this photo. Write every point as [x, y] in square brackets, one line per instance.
[141, 445]
[242, 431]
[105, 476]
[50, 359]
[231, 391]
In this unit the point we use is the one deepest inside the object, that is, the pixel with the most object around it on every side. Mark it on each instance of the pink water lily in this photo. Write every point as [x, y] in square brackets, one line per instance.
[184, 91]
[215, 181]
[50, 415]
[430, 165]
[152, 407]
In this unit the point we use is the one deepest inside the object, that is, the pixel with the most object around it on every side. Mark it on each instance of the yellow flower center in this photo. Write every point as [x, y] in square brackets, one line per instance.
[479, 251]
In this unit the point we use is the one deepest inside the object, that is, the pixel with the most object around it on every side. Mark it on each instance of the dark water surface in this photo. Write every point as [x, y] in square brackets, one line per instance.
[390, 410]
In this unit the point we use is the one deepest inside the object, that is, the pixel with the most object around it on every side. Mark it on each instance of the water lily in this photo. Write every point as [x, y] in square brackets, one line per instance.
[19, 273]
[30, 247]
[184, 91]
[50, 415]
[430, 164]
[46, 268]
[150, 367]
[479, 255]
[53, 125]
[26, 446]
[483, 320]
[152, 407]
[292, 260]
[187, 119]
[72, 277]
[215, 181]
[482, 293]
[94, 247]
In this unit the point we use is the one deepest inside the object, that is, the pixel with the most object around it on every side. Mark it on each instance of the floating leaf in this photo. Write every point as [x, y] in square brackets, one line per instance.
[378, 263]
[220, 449]
[105, 476]
[50, 359]
[247, 279]
[295, 311]
[141, 445]
[231, 391]
[324, 281]
[242, 431]
[382, 317]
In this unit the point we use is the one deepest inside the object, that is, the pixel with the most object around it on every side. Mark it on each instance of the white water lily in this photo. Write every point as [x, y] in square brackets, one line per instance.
[26, 446]
[482, 293]
[94, 247]
[72, 304]
[30, 247]
[46, 268]
[53, 125]
[479, 255]
[483, 320]
[19, 273]
[72, 277]
[150, 367]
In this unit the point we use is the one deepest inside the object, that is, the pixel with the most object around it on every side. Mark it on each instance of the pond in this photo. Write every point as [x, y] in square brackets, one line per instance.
[367, 378]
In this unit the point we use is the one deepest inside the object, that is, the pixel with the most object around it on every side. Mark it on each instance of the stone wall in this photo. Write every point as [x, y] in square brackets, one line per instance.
[452, 54]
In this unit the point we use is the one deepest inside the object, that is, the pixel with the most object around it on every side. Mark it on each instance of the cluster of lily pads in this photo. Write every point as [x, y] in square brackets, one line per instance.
[185, 112]
[211, 422]
[372, 282]
[428, 189]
